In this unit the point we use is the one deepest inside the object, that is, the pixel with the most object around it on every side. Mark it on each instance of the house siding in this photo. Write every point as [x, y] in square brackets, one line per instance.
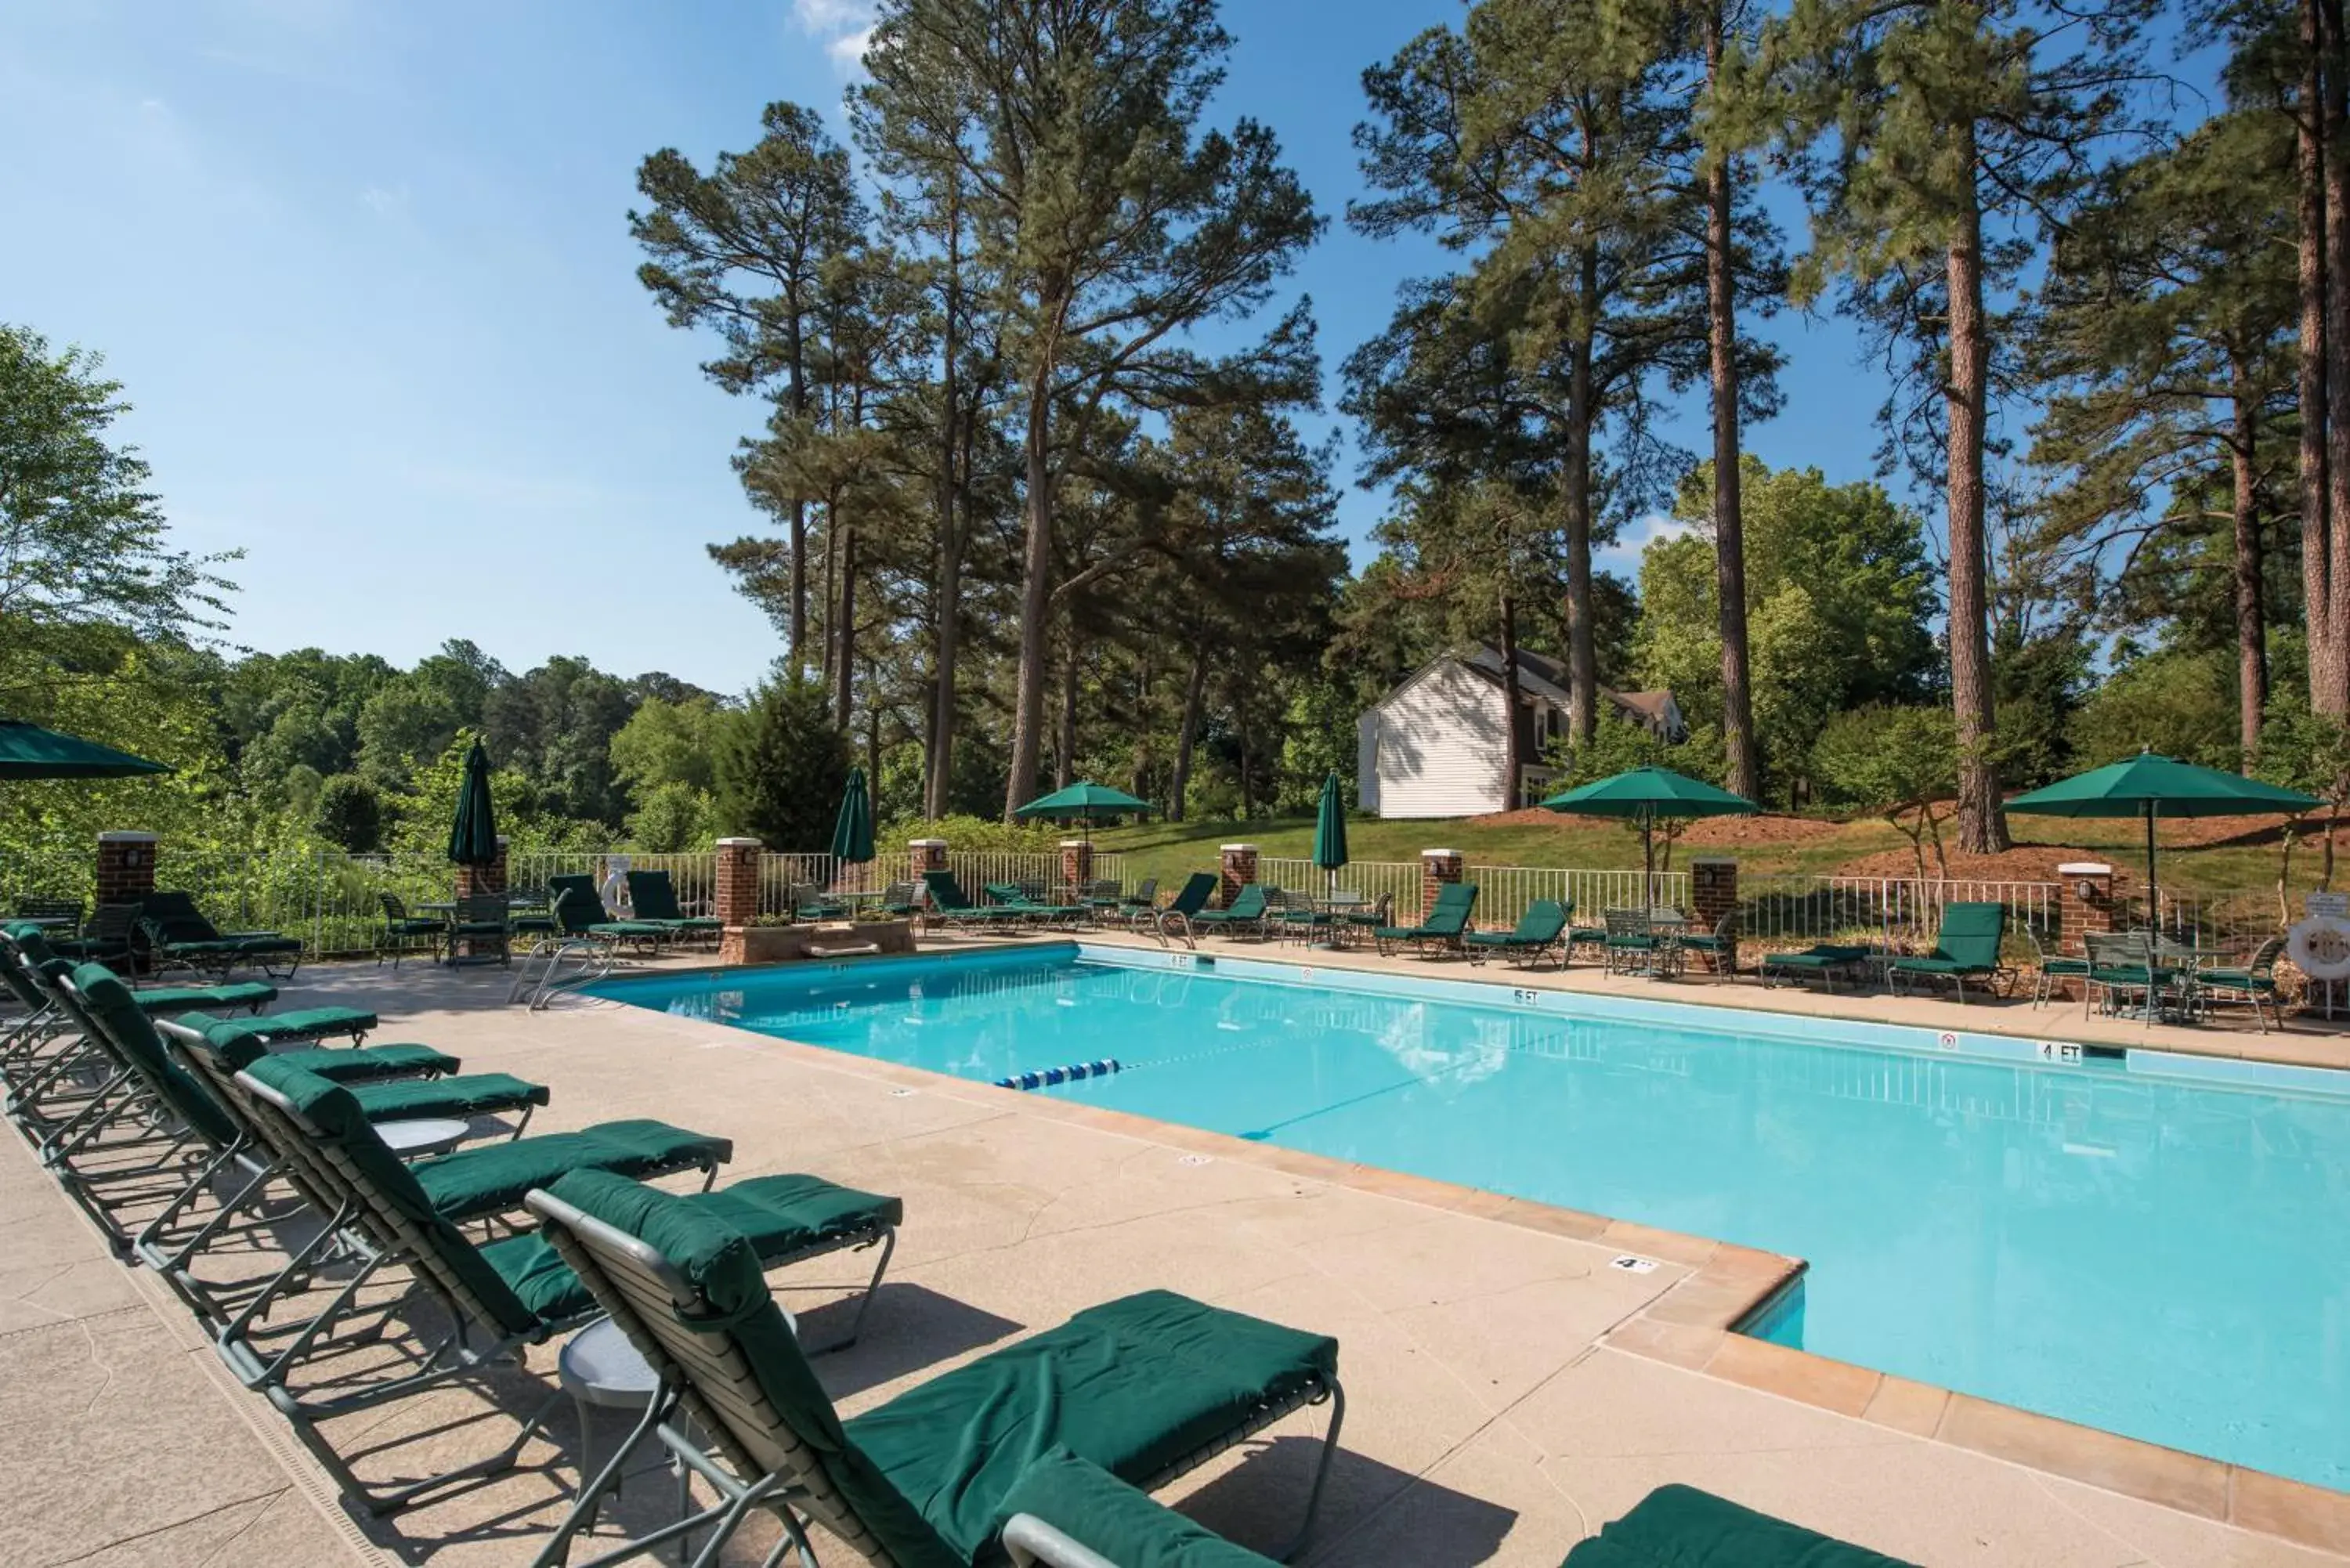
[1441, 748]
[1366, 760]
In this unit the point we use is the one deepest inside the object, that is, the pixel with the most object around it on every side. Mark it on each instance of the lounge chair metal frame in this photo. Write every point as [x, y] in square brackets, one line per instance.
[165, 952]
[652, 1304]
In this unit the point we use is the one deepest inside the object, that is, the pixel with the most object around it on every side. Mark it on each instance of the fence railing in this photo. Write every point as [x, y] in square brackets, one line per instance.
[975, 868]
[1397, 881]
[1816, 908]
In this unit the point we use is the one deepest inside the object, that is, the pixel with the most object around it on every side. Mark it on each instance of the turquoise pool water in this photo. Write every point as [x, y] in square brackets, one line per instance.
[2157, 1256]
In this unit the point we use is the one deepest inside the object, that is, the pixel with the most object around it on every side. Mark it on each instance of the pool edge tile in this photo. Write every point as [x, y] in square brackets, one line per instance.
[2297, 1512]
[2187, 1482]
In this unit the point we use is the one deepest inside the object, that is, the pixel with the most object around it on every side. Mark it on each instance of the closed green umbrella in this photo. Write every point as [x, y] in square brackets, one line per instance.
[852, 830]
[2149, 785]
[473, 836]
[1330, 829]
[1644, 795]
[1086, 801]
[29, 752]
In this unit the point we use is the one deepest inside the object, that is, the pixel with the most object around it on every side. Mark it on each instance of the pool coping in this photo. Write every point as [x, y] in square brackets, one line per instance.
[1692, 1324]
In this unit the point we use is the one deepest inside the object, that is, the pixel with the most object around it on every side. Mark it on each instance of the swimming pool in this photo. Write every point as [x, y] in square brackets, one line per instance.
[2132, 1245]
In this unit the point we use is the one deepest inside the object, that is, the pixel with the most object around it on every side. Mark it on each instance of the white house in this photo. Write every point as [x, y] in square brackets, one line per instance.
[1435, 746]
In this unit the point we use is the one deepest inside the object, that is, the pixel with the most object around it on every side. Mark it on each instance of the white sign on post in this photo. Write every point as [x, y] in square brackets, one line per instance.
[2333, 906]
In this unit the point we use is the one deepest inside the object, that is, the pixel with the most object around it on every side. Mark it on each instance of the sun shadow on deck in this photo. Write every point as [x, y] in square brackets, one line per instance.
[1258, 1504]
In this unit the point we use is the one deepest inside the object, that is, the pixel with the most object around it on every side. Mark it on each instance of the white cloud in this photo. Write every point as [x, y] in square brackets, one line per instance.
[843, 26]
[1635, 538]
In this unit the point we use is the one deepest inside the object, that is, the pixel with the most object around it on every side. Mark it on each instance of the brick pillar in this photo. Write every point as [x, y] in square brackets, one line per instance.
[738, 880]
[490, 878]
[126, 866]
[1239, 871]
[1437, 866]
[1713, 889]
[1077, 862]
[926, 855]
[2085, 903]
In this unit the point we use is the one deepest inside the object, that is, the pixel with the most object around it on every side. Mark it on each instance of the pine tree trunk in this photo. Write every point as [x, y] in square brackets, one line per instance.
[2335, 163]
[2329, 661]
[1582, 656]
[1514, 749]
[1745, 774]
[1065, 743]
[2251, 631]
[938, 775]
[799, 509]
[844, 660]
[831, 574]
[1982, 819]
[1195, 692]
[1035, 600]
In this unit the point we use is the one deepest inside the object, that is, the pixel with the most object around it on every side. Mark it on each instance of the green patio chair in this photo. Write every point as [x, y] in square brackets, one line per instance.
[172, 933]
[106, 938]
[810, 902]
[1146, 1388]
[653, 896]
[901, 900]
[1822, 961]
[2052, 970]
[1443, 926]
[499, 1296]
[1681, 1527]
[2254, 984]
[1718, 947]
[950, 905]
[403, 933]
[1541, 929]
[1967, 948]
[1248, 911]
[2126, 972]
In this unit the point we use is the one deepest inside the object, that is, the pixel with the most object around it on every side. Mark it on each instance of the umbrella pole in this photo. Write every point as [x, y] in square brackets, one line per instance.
[2153, 893]
[1648, 863]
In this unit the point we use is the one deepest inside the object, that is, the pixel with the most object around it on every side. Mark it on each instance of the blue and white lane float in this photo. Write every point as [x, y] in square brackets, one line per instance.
[1071, 1073]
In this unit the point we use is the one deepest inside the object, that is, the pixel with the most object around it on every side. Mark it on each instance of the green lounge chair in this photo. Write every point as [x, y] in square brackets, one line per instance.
[1444, 926]
[1012, 896]
[1681, 1527]
[501, 1296]
[2254, 984]
[25, 952]
[580, 916]
[1191, 901]
[1146, 1388]
[950, 905]
[1248, 911]
[172, 933]
[1966, 947]
[1541, 929]
[1822, 961]
[653, 896]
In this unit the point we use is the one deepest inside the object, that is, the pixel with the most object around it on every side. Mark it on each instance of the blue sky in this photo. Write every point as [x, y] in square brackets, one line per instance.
[364, 267]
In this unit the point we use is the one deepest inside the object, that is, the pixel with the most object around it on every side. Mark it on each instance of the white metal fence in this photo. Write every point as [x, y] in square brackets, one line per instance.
[1813, 908]
[1397, 881]
[975, 868]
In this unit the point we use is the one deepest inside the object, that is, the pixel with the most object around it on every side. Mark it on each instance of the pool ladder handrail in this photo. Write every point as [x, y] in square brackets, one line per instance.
[596, 960]
[1159, 929]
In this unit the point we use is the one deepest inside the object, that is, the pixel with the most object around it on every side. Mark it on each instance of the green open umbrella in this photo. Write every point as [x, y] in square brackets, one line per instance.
[29, 752]
[2148, 785]
[852, 830]
[1330, 829]
[1644, 795]
[473, 836]
[1086, 801]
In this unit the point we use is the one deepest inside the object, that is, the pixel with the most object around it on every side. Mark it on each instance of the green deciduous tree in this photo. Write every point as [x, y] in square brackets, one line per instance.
[781, 771]
[349, 813]
[1899, 762]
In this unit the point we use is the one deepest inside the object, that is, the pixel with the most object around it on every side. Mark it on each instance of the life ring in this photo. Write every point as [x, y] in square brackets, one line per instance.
[2319, 947]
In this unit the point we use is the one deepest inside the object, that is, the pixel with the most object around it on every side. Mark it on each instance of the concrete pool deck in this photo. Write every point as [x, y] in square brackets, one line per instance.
[1508, 1390]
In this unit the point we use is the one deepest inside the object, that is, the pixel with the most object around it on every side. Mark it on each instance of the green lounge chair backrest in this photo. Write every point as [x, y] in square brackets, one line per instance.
[16, 957]
[577, 904]
[1544, 921]
[652, 896]
[174, 916]
[1248, 903]
[702, 1300]
[1677, 1525]
[1193, 896]
[376, 1176]
[114, 1012]
[946, 893]
[1970, 934]
[1455, 902]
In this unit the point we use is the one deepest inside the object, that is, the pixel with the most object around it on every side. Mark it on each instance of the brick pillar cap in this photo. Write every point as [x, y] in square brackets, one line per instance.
[738, 843]
[1447, 853]
[1076, 844]
[126, 836]
[926, 843]
[2085, 868]
[1228, 849]
[1713, 860]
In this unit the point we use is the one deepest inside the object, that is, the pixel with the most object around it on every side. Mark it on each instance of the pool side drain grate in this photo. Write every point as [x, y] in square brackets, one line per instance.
[1073, 1073]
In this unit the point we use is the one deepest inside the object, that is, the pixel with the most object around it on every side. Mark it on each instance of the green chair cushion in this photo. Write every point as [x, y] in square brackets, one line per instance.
[132, 1034]
[2063, 966]
[781, 1215]
[1096, 1509]
[491, 1181]
[478, 928]
[1937, 966]
[350, 1065]
[303, 1023]
[2236, 980]
[1821, 957]
[413, 927]
[163, 1000]
[2131, 974]
[1680, 1527]
[1134, 1386]
[473, 1095]
[627, 929]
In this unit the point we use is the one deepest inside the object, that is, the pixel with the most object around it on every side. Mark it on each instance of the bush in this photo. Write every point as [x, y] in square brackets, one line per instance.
[782, 770]
[350, 813]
